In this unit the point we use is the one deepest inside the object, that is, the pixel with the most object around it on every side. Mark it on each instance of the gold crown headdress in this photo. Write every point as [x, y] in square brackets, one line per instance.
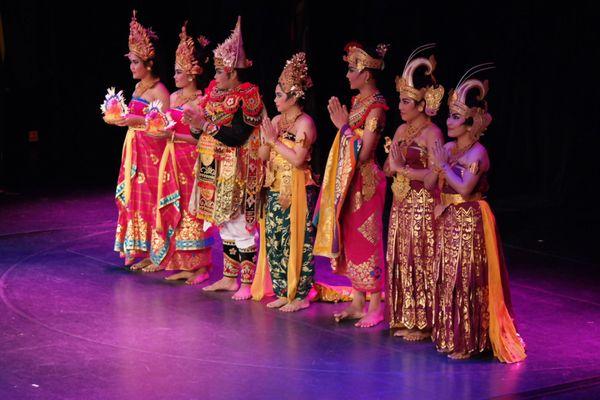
[230, 54]
[457, 100]
[358, 58]
[140, 40]
[294, 78]
[184, 56]
[405, 86]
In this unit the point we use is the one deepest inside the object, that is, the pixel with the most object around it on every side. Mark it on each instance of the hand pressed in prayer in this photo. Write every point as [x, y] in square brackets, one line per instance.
[337, 112]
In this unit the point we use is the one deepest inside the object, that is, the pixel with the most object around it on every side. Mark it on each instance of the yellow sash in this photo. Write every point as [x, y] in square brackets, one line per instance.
[507, 344]
[261, 286]
[169, 152]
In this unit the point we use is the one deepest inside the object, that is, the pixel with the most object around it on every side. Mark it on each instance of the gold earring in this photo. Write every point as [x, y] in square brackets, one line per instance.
[149, 68]
[190, 79]
[420, 108]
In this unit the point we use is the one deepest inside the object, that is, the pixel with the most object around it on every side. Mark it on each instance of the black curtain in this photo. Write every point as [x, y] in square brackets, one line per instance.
[59, 60]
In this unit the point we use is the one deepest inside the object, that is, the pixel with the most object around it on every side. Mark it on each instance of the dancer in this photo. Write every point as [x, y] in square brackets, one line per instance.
[287, 234]
[179, 241]
[473, 307]
[410, 279]
[229, 172]
[138, 175]
[349, 209]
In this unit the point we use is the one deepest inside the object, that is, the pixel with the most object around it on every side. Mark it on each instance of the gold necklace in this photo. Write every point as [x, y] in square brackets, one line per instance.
[286, 122]
[182, 100]
[360, 99]
[414, 131]
[142, 87]
[457, 152]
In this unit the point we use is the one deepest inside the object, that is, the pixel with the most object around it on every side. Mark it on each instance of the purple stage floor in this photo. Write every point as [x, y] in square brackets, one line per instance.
[74, 324]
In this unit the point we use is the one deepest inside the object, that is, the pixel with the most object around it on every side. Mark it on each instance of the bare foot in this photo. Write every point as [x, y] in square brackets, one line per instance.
[459, 356]
[374, 314]
[179, 275]
[415, 335]
[353, 311]
[370, 319]
[280, 302]
[140, 265]
[401, 332]
[225, 283]
[356, 310]
[296, 305]
[197, 277]
[152, 268]
[243, 293]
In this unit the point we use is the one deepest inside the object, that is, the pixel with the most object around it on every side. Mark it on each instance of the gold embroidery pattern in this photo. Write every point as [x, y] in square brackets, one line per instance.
[141, 178]
[157, 240]
[190, 228]
[357, 201]
[231, 267]
[248, 269]
[154, 159]
[360, 107]
[369, 229]
[410, 257]
[182, 179]
[136, 233]
[474, 167]
[370, 179]
[279, 175]
[364, 276]
[229, 179]
[190, 261]
[462, 304]
[400, 186]
[372, 124]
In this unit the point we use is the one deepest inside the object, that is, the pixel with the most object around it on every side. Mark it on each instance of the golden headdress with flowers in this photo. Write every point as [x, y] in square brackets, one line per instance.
[405, 85]
[184, 55]
[140, 40]
[457, 101]
[358, 58]
[294, 78]
[230, 54]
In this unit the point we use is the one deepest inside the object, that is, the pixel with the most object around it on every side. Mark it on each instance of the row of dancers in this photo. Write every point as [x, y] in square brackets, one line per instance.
[222, 164]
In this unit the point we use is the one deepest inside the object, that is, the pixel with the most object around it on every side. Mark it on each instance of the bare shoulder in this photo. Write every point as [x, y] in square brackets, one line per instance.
[306, 126]
[376, 112]
[174, 95]
[306, 121]
[433, 132]
[160, 90]
[450, 145]
[478, 154]
[400, 132]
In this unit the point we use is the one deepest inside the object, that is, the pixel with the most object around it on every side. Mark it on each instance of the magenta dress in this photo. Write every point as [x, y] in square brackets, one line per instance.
[137, 189]
[178, 239]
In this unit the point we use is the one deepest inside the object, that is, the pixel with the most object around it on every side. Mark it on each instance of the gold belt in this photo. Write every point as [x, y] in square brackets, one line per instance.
[455, 198]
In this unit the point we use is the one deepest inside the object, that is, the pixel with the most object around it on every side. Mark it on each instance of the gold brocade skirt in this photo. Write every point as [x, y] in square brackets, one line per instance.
[410, 251]
[461, 310]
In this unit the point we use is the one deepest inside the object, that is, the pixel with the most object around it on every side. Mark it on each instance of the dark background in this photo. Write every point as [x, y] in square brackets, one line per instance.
[59, 59]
